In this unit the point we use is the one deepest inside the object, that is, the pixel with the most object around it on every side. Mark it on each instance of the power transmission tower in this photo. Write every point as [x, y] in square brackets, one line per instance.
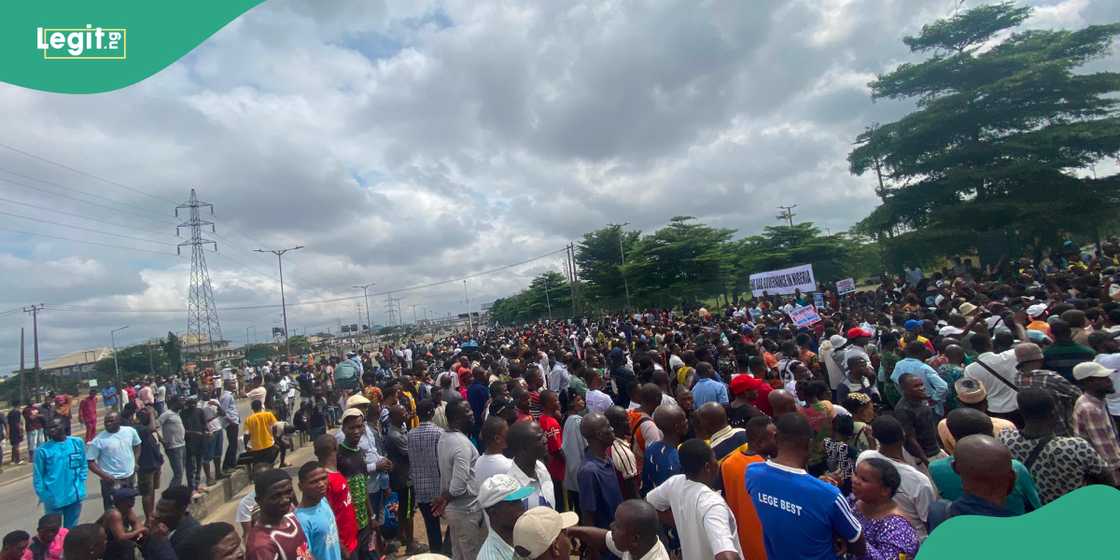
[202, 315]
[391, 309]
[787, 214]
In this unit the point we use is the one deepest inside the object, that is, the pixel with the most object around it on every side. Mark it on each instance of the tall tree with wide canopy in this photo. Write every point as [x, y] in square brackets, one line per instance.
[599, 257]
[1003, 142]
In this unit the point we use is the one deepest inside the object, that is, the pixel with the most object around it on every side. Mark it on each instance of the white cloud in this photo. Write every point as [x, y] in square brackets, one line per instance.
[413, 142]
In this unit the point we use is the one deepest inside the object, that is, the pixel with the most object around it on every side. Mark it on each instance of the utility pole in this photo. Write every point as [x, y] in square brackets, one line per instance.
[414, 313]
[572, 276]
[787, 214]
[467, 291]
[365, 294]
[22, 365]
[547, 300]
[151, 362]
[622, 257]
[34, 311]
[283, 302]
[116, 366]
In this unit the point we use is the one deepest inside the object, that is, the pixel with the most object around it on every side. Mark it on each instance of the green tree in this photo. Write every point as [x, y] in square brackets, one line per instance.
[548, 295]
[258, 353]
[784, 246]
[599, 261]
[173, 349]
[680, 263]
[299, 344]
[138, 360]
[1003, 140]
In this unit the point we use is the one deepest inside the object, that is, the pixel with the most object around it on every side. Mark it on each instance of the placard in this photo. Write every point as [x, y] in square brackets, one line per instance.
[845, 286]
[805, 316]
[784, 281]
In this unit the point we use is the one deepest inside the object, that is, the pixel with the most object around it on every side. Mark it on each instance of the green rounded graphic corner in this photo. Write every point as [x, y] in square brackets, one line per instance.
[1048, 532]
[98, 46]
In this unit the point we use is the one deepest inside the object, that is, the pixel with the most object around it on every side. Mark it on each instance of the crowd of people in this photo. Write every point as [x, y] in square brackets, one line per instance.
[663, 434]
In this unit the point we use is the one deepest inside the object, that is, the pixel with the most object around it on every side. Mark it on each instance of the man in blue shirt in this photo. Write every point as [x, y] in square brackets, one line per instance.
[60, 473]
[912, 364]
[708, 388]
[112, 457]
[801, 515]
[315, 515]
[599, 491]
[478, 394]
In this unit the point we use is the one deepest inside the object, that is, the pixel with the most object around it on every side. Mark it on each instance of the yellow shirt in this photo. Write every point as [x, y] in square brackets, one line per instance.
[259, 426]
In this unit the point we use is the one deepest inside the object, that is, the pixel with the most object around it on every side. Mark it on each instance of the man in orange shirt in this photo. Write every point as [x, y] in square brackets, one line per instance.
[760, 445]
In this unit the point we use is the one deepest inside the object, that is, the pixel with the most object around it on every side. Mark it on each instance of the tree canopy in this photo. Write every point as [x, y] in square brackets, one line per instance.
[683, 263]
[1003, 140]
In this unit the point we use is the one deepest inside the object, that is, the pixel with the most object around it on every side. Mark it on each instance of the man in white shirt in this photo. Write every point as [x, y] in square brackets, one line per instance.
[633, 535]
[1001, 393]
[558, 376]
[530, 450]
[492, 461]
[706, 526]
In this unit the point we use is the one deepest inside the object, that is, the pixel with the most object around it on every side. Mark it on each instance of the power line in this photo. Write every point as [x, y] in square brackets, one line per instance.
[74, 215]
[86, 242]
[61, 186]
[92, 230]
[85, 173]
[146, 216]
[117, 183]
[76, 199]
[77, 308]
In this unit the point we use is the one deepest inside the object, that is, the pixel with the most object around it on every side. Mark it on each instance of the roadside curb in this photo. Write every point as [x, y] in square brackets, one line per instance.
[229, 488]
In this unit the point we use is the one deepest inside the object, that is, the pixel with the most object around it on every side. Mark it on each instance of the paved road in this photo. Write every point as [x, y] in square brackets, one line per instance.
[21, 509]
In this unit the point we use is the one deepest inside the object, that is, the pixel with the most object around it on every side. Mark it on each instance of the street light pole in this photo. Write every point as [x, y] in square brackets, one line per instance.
[283, 302]
[116, 365]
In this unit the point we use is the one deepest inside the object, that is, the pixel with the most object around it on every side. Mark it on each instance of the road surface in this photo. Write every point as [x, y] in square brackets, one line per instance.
[22, 509]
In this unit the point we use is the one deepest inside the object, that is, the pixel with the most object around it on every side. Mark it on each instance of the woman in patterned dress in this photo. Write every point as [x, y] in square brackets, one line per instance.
[887, 533]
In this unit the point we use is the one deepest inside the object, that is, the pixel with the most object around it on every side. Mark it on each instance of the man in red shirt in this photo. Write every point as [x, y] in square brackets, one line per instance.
[276, 535]
[87, 413]
[550, 424]
[338, 494]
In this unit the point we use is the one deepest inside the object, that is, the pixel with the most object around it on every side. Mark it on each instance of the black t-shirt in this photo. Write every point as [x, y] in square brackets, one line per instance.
[194, 420]
[917, 418]
[738, 416]
[350, 462]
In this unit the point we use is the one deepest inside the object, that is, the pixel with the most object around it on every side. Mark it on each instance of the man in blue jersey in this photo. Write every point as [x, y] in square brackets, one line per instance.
[802, 517]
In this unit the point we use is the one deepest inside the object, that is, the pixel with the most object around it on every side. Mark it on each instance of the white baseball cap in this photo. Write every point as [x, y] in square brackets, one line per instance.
[356, 400]
[352, 412]
[500, 488]
[538, 528]
[1085, 370]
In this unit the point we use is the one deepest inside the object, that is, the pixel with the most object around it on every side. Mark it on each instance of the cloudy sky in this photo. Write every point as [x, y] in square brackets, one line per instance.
[407, 142]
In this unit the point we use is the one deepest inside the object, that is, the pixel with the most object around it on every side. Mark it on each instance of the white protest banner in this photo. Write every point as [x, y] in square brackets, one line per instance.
[845, 286]
[805, 316]
[784, 281]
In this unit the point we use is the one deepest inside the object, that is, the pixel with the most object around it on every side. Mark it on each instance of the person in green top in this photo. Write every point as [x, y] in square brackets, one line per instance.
[1064, 353]
[965, 422]
[951, 371]
[888, 357]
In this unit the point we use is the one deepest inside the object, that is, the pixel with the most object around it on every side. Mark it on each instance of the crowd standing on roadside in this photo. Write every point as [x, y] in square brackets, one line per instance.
[657, 434]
